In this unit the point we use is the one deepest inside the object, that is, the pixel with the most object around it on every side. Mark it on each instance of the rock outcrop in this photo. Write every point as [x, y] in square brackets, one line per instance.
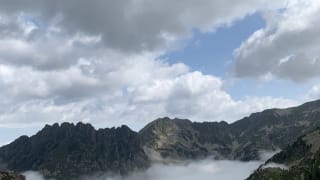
[7, 175]
[299, 161]
[69, 151]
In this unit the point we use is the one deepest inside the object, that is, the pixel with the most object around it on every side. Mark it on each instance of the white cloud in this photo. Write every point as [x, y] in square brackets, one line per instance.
[314, 93]
[45, 49]
[65, 61]
[33, 175]
[22, 83]
[275, 165]
[288, 47]
[201, 97]
[163, 90]
[120, 23]
[204, 170]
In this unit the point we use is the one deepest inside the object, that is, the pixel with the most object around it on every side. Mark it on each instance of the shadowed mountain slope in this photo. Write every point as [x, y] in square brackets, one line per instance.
[301, 159]
[69, 150]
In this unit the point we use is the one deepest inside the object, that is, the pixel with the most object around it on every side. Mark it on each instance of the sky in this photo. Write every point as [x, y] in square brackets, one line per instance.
[132, 61]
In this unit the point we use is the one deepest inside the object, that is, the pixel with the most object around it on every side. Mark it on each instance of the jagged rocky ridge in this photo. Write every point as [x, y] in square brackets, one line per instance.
[68, 151]
[7, 175]
[299, 161]
[271, 129]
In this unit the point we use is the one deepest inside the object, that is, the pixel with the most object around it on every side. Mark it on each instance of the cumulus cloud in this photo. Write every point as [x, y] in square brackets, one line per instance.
[286, 48]
[186, 94]
[22, 83]
[314, 93]
[205, 170]
[23, 42]
[120, 23]
[99, 62]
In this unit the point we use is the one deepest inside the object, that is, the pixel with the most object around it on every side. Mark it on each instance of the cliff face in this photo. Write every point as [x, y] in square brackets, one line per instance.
[243, 140]
[68, 151]
[301, 159]
[5, 175]
[181, 139]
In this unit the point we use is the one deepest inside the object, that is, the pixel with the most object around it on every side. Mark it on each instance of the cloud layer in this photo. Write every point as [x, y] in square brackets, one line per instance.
[288, 47]
[120, 24]
[314, 93]
[204, 170]
[98, 62]
[135, 96]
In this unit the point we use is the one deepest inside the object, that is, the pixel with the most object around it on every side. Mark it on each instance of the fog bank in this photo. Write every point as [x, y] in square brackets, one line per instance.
[204, 170]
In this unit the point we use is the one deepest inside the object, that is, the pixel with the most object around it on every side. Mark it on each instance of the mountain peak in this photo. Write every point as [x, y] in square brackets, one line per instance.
[68, 151]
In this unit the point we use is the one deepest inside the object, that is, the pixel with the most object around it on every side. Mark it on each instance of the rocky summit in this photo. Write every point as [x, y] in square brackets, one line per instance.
[68, 151]
[179, 139]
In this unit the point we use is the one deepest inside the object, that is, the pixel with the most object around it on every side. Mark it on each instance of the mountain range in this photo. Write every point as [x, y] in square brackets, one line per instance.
[271, 129]
[67, 151]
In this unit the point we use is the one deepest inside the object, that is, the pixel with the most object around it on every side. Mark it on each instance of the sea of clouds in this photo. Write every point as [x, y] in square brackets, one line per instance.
[205, 170]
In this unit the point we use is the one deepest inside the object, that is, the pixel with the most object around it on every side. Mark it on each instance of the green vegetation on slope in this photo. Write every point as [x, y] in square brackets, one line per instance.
[302, 159]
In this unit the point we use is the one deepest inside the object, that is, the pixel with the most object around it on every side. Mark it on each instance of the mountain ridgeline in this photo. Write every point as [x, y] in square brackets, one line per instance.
[271, 129]
[300, 159]
[68, 151]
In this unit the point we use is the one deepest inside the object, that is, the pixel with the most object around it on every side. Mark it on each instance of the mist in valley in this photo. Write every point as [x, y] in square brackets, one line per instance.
[205, 170]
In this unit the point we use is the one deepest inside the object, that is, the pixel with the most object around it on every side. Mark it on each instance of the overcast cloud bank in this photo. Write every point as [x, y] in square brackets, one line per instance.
[99, 62]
